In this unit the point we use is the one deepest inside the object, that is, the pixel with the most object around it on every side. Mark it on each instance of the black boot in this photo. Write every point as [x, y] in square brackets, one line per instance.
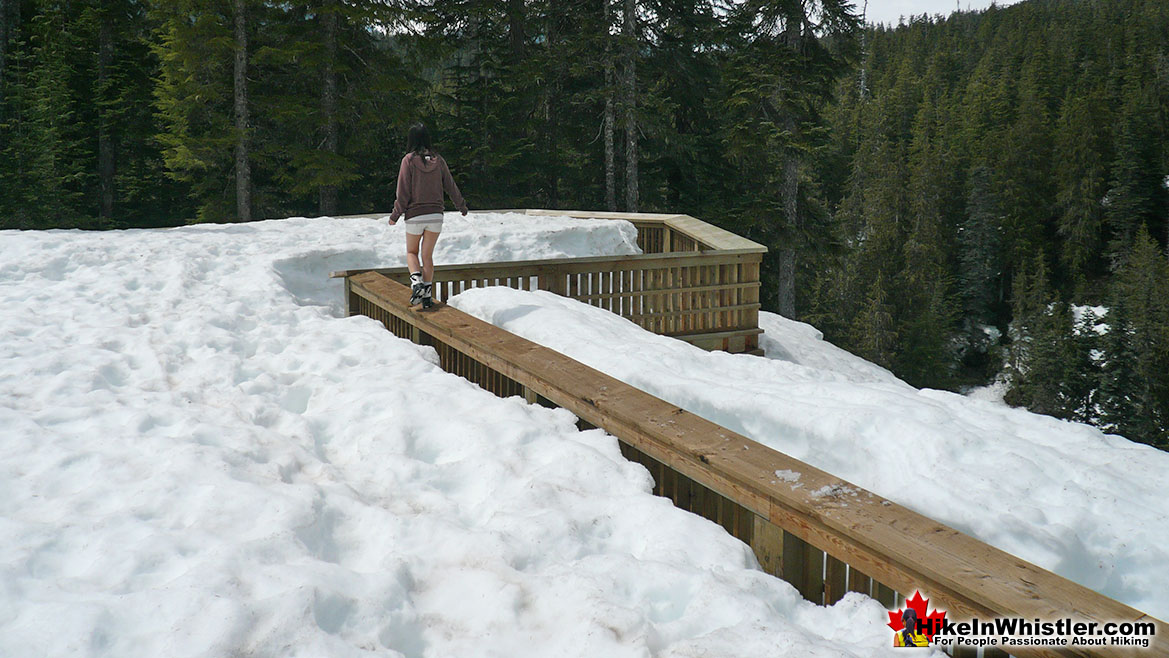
[427, 296]
[416, 287]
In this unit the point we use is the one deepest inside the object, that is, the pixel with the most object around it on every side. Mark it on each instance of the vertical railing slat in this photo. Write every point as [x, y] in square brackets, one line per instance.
[803, 567]
[835, 580]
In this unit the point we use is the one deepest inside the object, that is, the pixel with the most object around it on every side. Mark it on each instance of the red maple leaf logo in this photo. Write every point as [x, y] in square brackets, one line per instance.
[931, 623]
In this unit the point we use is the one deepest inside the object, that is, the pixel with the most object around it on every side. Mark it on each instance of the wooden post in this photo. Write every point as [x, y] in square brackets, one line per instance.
[767, 542]
[803, 566]
[835, 586]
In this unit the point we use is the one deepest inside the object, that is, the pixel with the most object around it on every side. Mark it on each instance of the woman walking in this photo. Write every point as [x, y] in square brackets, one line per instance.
[422, 179]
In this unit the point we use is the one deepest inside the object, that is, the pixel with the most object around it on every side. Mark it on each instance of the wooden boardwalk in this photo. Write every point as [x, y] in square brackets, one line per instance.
[825, 536]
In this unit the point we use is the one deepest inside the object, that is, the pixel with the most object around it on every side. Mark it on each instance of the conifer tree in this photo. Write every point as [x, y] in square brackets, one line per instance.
[51, 167]
[1080, 159]
[331, 17]
[8, 24]
[874, 334]
[1136, 402]
[610, 120]
[1022, 177]
[241, 111]
[195, 45]
[1135, 194]
[1030, 302]
[1118, 380]
[980, 251]
[1050, 361]
[630, 54]
[790, 57]
[1082, 375]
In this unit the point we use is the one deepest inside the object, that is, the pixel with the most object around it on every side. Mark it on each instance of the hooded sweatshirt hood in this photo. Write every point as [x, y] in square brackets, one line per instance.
[425, 162]
[422, 180]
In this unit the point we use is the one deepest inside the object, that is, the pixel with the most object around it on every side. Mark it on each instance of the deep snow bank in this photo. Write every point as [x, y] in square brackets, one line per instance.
[201, 458]
[1089, 506]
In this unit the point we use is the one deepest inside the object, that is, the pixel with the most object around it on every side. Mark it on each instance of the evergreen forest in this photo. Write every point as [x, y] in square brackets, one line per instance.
[973, 200]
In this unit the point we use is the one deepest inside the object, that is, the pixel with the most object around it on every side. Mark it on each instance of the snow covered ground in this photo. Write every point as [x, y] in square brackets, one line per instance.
[202, 458]
[1089, 506]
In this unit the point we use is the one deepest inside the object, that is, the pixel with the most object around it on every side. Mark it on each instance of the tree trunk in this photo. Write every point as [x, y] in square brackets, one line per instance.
[328, 193]
[243, 168]
[863, 89]
[10, 17]
[6, 27]
[789, 192]
[790, 189]
[630, 33]
[515, 28]
[551, 98]
[610, 170]
[105, 138]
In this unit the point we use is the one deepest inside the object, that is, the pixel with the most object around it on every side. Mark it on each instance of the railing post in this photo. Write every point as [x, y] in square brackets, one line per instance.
[752, 263]
[552, 280]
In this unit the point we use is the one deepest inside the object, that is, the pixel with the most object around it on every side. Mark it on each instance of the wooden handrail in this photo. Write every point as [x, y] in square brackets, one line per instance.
[567, 265]
[893, 544]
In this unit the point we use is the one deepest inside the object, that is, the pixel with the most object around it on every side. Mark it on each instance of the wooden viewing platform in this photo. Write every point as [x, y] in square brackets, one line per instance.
[693, 281]
[826, 536]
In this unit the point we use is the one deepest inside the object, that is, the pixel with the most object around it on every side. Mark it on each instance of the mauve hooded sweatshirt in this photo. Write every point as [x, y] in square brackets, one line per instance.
[421, 181]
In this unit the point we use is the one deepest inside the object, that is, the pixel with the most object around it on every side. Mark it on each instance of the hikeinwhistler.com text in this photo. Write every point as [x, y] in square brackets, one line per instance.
[1009, 632]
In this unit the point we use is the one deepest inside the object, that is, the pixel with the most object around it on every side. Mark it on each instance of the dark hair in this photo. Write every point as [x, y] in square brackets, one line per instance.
[417, 140]
[911, 621]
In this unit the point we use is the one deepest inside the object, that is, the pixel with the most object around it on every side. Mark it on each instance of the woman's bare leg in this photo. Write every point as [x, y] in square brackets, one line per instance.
[412, 252]
[429, 239]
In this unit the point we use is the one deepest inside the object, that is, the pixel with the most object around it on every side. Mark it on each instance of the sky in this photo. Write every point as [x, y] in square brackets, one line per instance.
[888, 11]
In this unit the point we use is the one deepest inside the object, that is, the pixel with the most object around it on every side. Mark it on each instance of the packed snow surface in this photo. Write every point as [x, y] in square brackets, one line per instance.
[1089, 506]
[202, 457]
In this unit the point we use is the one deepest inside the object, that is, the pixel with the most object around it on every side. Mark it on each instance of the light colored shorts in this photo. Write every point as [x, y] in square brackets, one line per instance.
[431, 222]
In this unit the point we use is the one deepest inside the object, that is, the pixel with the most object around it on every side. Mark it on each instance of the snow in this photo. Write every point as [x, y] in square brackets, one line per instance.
[995, 391]
[202, 457]
[787, 475]
[1086, 505]
[1095, 316]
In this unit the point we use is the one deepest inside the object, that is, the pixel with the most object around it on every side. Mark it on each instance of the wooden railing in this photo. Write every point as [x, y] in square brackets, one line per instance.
[663, 233]
[694, 281]
[824, 535]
